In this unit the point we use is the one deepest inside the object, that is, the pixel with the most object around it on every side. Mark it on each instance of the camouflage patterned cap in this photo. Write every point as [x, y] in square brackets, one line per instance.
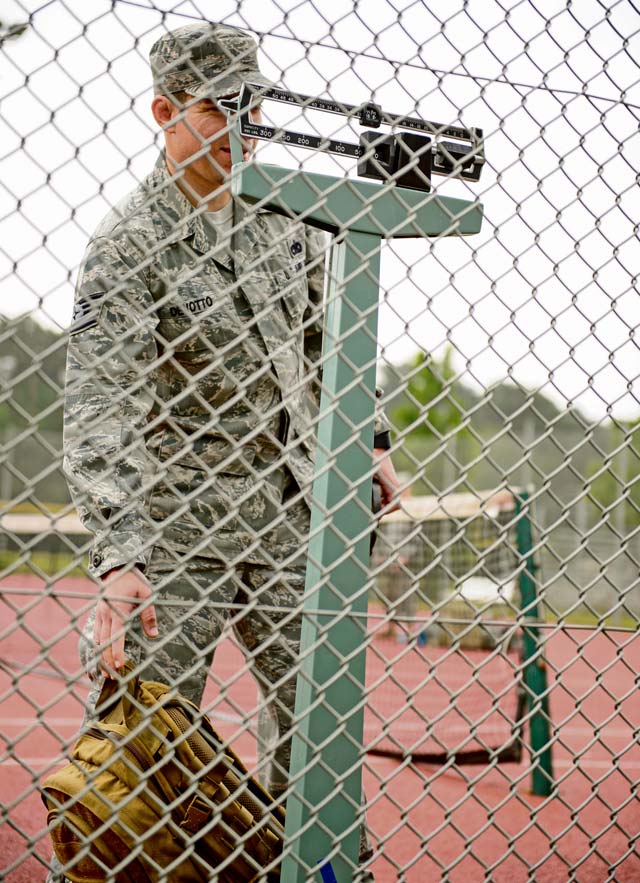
[207, 61]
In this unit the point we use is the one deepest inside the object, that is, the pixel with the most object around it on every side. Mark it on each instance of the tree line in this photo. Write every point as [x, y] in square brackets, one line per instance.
[449, 435]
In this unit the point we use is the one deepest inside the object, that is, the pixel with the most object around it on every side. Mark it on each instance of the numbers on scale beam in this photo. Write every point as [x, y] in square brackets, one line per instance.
[464, 160]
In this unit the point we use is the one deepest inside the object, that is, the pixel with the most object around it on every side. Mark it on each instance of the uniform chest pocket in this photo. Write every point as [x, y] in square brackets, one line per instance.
[190, 333]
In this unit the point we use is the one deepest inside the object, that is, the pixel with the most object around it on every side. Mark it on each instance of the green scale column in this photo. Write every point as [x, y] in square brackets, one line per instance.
[324, 806]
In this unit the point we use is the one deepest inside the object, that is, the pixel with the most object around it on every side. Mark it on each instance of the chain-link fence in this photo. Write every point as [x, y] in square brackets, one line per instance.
[468, 660]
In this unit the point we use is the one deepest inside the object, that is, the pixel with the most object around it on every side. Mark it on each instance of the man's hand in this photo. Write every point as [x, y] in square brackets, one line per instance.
[387, 479]
[124, 590]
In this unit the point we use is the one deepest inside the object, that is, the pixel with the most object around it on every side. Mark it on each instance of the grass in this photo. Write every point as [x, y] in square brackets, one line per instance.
[584, 616]
[26, 508]
[45, 564]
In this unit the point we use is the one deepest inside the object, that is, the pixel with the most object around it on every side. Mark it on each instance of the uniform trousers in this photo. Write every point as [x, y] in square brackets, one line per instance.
[195, 600]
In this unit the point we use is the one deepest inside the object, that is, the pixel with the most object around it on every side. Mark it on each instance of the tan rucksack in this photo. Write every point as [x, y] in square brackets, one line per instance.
[151, 794]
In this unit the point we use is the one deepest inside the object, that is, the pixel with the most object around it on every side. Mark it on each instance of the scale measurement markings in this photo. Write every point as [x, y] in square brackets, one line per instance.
[299, 139]
[371, 113]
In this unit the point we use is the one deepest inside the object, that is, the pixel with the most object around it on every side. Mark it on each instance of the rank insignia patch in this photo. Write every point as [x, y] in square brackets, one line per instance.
[86, 312]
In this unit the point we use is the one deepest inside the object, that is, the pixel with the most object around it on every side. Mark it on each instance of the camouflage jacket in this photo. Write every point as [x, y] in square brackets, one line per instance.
[190, 395]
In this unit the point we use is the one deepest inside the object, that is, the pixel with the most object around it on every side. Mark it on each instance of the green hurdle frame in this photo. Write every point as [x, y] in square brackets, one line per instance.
[324, 807]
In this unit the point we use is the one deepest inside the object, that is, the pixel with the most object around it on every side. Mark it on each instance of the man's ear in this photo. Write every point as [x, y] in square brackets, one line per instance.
[164, 112]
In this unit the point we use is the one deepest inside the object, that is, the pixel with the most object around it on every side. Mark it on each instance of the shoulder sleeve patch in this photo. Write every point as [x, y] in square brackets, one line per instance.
[86, 312]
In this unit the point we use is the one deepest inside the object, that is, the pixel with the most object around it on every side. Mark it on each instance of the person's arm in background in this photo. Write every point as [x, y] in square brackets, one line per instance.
[317, 245]
[109, 395]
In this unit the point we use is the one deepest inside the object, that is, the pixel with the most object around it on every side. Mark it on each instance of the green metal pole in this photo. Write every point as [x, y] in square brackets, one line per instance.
[534, 673]
[324, 806]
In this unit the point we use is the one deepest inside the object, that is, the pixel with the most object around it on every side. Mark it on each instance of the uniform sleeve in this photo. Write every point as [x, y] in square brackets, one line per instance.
[109, 395]
[318, 247]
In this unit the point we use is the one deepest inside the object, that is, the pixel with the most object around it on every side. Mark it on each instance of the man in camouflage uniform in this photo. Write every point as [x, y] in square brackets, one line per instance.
[190, 409]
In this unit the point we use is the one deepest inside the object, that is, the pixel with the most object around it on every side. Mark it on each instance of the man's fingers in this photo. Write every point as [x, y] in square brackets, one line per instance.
[112, 647]
[100, 633]
[125, 594]
[104, 638]
[388, 481]
[388, 493]
[148, 616]
[117, 644]
[97, 627]
[107, 650]
[149, 621]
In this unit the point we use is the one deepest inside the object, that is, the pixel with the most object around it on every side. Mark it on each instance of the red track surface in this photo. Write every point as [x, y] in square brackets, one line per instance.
[432, 822]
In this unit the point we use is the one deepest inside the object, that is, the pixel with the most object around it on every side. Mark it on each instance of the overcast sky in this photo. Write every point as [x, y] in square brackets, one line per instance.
[544, 294]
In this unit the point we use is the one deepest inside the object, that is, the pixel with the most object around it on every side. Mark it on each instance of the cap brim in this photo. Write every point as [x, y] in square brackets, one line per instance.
[231, 85]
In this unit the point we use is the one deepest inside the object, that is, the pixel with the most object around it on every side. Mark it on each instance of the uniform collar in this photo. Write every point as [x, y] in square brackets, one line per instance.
[181, 220]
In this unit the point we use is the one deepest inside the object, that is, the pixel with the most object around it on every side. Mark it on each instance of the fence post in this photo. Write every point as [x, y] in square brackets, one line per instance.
[534, 666]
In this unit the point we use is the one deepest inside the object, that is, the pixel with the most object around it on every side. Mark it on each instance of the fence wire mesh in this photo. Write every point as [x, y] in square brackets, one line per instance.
[500, 600]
